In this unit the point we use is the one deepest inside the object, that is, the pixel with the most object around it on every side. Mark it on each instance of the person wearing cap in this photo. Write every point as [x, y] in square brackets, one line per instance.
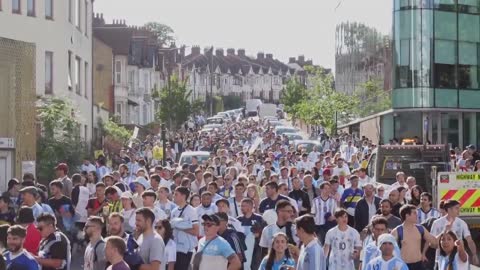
[32, 240]
[61, 172]
[128, 211]
[457, 225]
[216, 252]
[472, 150]
[141, 184]
[13, 192]
[350, 197]
[387, 259]
[366, 207]
[29, 198]
[17, 258]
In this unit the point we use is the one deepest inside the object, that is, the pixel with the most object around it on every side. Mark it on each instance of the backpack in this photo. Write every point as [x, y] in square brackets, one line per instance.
[95, 257]
[131, 257]
[420, 229]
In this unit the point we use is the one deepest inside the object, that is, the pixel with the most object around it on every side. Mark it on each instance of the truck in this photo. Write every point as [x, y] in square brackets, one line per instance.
[267, 110]
[463, 187]
[414, 160]
[252, 106]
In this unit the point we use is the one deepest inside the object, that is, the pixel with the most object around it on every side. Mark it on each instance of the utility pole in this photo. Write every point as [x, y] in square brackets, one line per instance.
[211, 81]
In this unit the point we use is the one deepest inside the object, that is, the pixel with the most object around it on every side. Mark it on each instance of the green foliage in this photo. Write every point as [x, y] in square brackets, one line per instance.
[60, 140]
[322, 105]
[117, 132]
[373, 98]
[293, 95]
[163, 32]
[175, 107]
[232, 102]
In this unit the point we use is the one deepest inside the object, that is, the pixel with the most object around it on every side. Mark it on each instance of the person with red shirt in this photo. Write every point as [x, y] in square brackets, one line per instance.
[32, 240]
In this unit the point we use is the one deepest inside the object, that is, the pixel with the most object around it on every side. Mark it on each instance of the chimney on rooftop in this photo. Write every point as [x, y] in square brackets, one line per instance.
[301, 59]
[195, 50]
[269, 56]
[241, 52]
[207, 51]
[219, 52]
[291, 60]
[260, 56]
[230, 51]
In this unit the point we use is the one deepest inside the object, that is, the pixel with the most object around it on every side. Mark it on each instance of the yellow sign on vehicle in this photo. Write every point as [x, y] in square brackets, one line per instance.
[468, 176]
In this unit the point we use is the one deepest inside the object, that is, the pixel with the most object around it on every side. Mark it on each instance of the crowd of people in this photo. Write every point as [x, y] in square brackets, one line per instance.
[249, 206]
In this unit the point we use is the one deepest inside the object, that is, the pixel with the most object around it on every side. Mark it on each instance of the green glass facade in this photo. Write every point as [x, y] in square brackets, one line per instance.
[436, 54]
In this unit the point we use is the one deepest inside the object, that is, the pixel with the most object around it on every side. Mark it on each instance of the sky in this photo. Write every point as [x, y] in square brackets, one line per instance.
[284, 28]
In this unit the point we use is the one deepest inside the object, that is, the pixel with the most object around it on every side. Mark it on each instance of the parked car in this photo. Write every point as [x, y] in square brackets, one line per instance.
[186, 157]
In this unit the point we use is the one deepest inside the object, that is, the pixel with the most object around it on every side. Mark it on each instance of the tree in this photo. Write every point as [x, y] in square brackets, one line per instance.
[118, 133]
[373, 98]
[323, 105]
[232, 102]
[60, 140]
[175, 107]
[163, 32]
[293, 95]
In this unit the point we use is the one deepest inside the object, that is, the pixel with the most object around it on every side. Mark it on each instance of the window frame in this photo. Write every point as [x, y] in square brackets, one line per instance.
[32, 12]
[78, 14]
[70, 13]
[19, 10]
[86, 18]
[70, 81]
[78, 75]
[118, 72]
[49, 17]
[86, 82]
[49, 89]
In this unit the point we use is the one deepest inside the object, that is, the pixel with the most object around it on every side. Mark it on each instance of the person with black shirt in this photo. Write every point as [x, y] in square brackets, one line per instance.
[271, 189]
[303, 201]
[7, 214]
[61, 205]
[54, 253]
[232, 237]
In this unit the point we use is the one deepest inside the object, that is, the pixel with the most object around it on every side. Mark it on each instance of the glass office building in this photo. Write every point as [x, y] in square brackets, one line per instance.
[435, 73]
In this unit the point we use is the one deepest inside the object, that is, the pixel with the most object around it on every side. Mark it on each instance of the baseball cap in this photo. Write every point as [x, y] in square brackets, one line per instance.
[213, 218]
[126, 195]
[471, 146]
[142, 181]
[327, 172]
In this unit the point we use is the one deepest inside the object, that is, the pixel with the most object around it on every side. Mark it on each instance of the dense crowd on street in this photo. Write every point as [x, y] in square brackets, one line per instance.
[254, 203]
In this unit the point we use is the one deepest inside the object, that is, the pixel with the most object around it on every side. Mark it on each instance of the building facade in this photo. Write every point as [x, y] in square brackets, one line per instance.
[62, 35]
[136, 69]
[434, 75]
[234, 73]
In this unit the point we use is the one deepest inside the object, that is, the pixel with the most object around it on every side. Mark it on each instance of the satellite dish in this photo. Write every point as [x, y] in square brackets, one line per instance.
[270, 216]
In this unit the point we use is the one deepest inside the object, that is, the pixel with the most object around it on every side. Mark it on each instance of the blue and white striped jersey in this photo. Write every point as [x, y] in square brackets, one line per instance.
[312, 257]
[393, 264]
[321, 207]
[422, 216]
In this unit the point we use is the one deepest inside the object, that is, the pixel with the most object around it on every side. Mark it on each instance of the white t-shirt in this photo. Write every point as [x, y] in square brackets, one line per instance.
[344, 171]
[342, 245]
[459, 227]
[457, 263]
[170, 252]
